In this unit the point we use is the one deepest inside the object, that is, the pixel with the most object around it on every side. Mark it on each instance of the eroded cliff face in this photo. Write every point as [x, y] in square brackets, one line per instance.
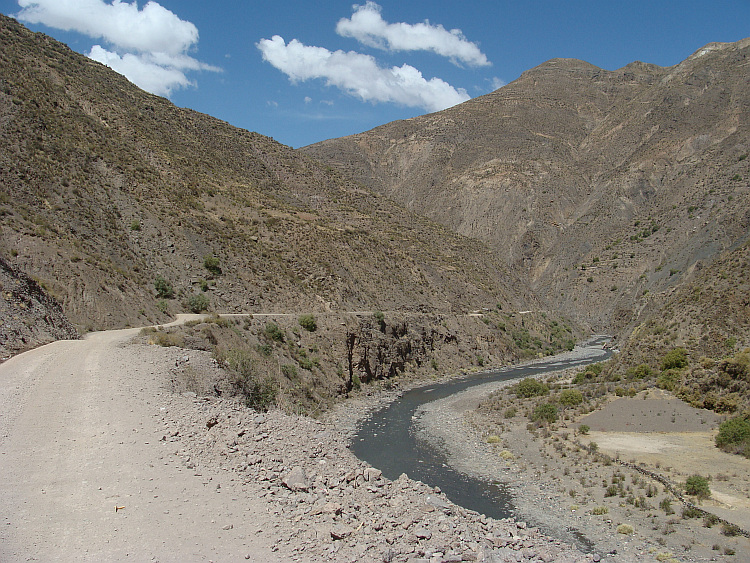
[29, 316]
[308, 370]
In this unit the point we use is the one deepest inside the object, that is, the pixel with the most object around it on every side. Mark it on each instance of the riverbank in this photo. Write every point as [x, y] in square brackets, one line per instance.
[566, 483]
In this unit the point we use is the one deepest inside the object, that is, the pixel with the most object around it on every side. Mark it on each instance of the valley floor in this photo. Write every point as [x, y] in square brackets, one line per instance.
[105, 457]
[558, 483]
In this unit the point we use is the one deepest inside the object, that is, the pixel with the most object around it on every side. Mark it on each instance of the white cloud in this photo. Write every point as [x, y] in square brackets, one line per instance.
[150, 76]
[359, 75]
[497, 83]
[150, 44]
[368, 27]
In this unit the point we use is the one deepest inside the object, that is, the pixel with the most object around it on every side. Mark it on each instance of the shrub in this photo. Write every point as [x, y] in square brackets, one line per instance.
[135, 225]
[493, 439]
[697, 485]
[584, 429]
[643, 371]
[674, 359]
[197, 303]
[730, 530]
[510, 412]
[308, 323]
[571, 397]
[666, 506]
[163, 288]
[273, 332]
[668, 379]
[211, 263]
[530, 387]
[626, 529]
[167, 339]
[734, 435]
[690, 512]
[289, 370]
[546, 412]
[600, 510]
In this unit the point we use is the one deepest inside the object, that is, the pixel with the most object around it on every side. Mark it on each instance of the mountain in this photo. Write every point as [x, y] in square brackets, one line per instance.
[605, 190]
[124, 207]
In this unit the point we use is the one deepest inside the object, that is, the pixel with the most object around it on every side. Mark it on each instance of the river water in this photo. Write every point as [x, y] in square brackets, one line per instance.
[387, 439]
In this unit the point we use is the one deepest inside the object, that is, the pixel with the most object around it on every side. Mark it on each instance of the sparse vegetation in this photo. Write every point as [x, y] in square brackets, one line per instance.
[197, 303]
[734, 436]
[530, 387]
[163, 288]
[697, 486]
[308, 322]
[273, 332]
[212, 264]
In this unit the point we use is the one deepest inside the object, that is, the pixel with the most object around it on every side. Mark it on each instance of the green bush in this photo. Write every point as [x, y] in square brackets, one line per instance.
[163, 288]
[197, 303]
[734, 435]
[674, 359]
[584, 429]
[211, 263]
[571, 397]
[643, 371]
[530, 387]
[273, 332]
[308, 323]
[668, 379]
[697, 485]
[546, 412]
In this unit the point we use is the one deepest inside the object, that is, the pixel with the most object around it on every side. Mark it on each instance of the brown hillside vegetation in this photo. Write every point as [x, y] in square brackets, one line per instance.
[127, 210]
[104, 187]
[603, 188]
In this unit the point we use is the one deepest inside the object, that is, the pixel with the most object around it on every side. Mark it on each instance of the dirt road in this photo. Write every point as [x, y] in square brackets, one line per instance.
[81, 434]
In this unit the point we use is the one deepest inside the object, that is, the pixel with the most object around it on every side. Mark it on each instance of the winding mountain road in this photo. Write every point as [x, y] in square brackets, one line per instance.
[86, 475]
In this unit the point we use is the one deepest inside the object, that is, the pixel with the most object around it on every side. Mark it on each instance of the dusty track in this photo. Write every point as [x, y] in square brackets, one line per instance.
[79, 435]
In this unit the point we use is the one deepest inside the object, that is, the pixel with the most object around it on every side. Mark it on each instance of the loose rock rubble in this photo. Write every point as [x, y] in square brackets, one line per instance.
[328, 505]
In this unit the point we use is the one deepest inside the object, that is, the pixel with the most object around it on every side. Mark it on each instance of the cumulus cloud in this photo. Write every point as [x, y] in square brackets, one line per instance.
[497, 83]
[368, 27]
[150, 44]
[360, 75]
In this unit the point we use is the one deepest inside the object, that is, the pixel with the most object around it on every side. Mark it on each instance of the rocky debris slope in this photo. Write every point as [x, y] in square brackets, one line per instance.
[29, 316]
[331, 506]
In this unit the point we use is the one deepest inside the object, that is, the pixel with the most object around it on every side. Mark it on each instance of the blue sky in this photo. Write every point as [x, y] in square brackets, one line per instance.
[302, 71]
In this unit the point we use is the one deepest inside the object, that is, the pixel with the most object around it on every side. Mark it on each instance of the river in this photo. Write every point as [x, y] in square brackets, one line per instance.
[387, 438]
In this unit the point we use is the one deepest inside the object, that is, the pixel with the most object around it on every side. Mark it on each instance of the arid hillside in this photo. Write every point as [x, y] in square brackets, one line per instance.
[127, 209]
[604, 189]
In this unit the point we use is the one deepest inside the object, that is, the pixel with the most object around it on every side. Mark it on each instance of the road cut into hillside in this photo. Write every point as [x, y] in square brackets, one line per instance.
[102, 460]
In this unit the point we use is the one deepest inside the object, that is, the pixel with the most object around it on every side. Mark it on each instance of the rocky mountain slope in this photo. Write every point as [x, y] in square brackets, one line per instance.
[105, 189]
[126, 210]
[28, 315]
[603, 188]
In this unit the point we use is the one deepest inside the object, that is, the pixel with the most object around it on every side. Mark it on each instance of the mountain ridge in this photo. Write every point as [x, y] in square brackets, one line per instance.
[569, 162]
